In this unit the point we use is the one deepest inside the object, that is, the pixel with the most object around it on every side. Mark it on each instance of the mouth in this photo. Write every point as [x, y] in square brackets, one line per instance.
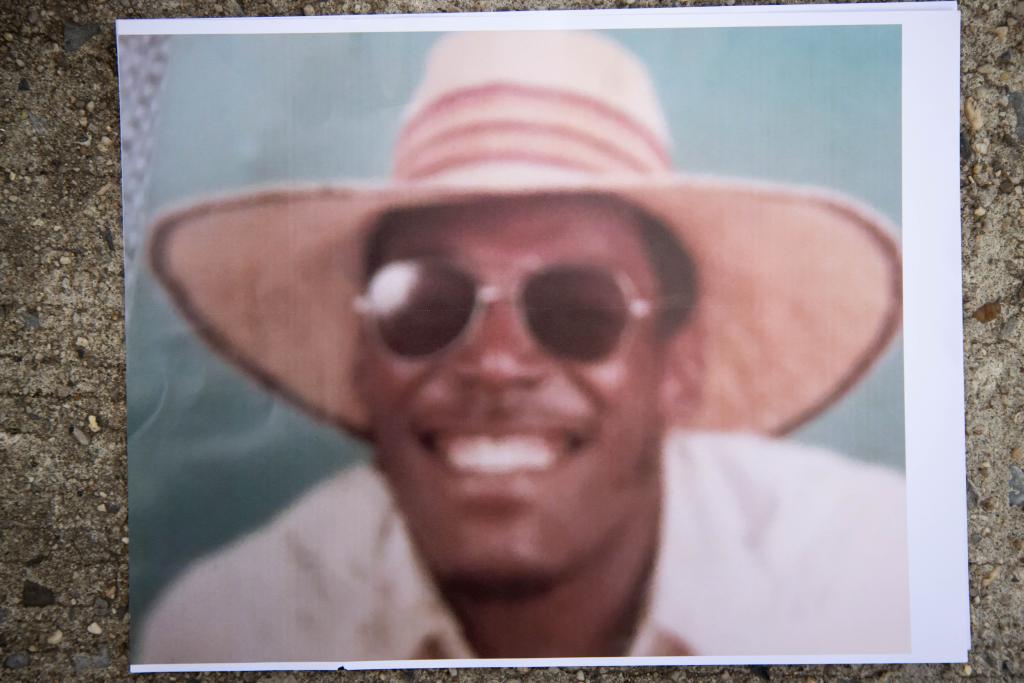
[506, 453]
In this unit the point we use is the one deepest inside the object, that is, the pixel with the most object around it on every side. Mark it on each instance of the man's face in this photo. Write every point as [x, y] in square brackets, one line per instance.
[577, 443]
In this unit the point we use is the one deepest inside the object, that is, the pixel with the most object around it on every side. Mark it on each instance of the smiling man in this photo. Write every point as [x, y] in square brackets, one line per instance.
[497, 383]
[571, 362]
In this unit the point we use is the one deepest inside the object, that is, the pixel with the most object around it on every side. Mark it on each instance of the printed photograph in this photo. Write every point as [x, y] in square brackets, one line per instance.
[514, 344]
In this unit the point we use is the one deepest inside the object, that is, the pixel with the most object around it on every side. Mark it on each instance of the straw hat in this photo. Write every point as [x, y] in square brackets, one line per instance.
[800, 288]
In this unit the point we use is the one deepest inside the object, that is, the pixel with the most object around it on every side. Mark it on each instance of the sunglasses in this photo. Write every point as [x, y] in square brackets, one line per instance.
[574, 312]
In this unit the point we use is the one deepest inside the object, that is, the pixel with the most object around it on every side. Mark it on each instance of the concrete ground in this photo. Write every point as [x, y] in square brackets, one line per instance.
[63, 517]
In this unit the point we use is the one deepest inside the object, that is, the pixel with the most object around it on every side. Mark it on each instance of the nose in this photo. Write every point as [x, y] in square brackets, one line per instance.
[500, 353]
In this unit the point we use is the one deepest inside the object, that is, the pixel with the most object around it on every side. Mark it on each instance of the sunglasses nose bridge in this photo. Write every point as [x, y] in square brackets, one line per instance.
[499, 348]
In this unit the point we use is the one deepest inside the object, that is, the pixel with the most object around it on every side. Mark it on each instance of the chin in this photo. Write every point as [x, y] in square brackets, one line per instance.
[499, 583]
[505, 569]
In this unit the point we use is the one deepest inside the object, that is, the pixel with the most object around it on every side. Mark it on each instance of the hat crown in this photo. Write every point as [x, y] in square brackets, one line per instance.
[571, 100]
[584, 63]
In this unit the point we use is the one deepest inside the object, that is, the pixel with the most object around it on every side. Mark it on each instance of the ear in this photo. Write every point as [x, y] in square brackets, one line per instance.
[682, 384]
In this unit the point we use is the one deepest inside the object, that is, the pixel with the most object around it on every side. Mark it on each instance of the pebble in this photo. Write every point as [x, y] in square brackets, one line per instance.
[980, 211]
[308, 10]
[36, 595]
[80, 436]
[18, 660]
[973, 114]
[65, 260]
[55, 637]
[1002, 31]
[1011, 329]
[101, 507]
[76, 35]
[38, 123]
[94, 628]
[84, 662]
[94, 426]
[30, 320]
[987, 580]
[987, 313]
[1016, 495]
[1017, 103]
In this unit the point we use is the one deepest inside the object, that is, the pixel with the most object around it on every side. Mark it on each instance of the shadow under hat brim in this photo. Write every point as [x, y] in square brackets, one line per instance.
[800, 289]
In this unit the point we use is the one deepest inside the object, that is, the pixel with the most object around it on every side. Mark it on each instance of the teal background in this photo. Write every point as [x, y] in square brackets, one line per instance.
[211, 456]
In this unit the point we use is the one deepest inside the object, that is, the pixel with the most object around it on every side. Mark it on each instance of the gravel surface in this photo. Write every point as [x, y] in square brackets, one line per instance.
[63, 518]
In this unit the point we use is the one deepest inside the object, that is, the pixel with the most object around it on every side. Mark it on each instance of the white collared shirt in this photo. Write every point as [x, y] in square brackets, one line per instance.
[767, 547]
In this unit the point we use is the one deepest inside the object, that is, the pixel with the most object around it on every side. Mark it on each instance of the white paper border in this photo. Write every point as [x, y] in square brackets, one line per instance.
[936, 466]
[933, 325]
[678, 17]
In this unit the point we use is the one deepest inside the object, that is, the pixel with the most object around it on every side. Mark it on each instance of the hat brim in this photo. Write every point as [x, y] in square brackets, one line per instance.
[800, 289]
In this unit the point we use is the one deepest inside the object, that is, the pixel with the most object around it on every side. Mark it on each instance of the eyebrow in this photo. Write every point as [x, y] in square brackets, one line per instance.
[417, 250]
[380, 245]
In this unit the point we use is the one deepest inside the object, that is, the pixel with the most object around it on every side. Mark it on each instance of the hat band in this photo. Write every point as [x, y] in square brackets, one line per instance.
[514, 121]
[551, 145]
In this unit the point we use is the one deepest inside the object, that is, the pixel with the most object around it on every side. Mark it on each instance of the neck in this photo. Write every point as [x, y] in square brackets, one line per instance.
[592, 612]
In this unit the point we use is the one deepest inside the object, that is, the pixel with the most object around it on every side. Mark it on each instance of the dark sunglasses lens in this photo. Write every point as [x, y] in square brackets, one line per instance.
[577, 313]
[420, 308]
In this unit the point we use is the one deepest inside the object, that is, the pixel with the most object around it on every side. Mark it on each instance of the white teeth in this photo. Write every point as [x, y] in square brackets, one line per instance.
[500, 455]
